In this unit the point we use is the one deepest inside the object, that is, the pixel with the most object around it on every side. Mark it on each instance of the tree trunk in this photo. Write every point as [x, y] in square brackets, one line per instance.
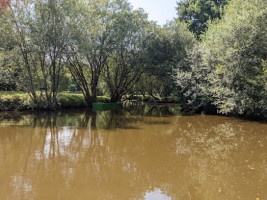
[88, 100]
[115, 98]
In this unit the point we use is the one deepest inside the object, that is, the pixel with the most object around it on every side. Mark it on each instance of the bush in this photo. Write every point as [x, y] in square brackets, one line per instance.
[66, 100]
[15, 101]
[227, 69]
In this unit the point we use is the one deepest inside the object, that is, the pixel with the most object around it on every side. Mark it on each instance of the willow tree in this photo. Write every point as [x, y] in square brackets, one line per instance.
[126, 63]
[91, 45]
[39, 40]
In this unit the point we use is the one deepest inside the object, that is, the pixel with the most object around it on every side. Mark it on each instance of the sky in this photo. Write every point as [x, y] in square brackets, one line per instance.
[158, 10]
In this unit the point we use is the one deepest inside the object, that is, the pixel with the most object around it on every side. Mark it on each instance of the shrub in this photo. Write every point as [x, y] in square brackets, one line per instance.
[70, 100]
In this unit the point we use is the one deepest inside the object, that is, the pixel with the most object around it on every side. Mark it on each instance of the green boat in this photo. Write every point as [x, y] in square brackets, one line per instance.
[107, 106]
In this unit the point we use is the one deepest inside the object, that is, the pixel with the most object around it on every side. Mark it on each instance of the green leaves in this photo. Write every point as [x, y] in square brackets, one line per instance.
[126, 62]
[198, 13]
[233, 52]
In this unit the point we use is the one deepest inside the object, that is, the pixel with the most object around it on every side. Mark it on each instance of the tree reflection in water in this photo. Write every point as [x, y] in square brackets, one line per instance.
[133, 153]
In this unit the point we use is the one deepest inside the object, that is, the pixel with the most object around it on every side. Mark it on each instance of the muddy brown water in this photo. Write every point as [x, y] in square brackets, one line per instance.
[144, 152]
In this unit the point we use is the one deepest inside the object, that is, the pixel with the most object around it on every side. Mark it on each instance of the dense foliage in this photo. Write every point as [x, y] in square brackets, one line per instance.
[105, 48]
[96, 47]
[166, 49]
[228, 68]
[198, 13]
[37, 37]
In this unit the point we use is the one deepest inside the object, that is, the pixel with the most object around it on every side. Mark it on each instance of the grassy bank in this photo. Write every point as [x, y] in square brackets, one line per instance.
[22, 101]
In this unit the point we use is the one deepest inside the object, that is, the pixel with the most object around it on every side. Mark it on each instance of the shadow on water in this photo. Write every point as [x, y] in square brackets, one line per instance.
[152, 110]
[86, 118]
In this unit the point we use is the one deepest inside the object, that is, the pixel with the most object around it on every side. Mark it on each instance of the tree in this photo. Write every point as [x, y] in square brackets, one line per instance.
[40, 38]
[92, 44]
[165, 53]
[8, 74]
[192, 83]
[197, 13]
[160, 58]
[126, 63]
[236, 52]
[230, 71]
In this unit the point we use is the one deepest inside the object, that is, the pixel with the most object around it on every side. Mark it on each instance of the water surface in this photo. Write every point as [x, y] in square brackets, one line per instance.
[141, 152]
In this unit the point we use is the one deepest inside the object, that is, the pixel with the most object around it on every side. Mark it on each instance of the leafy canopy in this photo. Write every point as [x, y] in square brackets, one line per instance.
[197, 13]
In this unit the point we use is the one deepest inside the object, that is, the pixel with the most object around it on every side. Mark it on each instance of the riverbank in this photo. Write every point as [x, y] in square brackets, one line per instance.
[14, 100]
[22, 101]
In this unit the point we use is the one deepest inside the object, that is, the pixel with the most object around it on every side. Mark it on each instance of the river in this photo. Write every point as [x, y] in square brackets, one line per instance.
[142, 152]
